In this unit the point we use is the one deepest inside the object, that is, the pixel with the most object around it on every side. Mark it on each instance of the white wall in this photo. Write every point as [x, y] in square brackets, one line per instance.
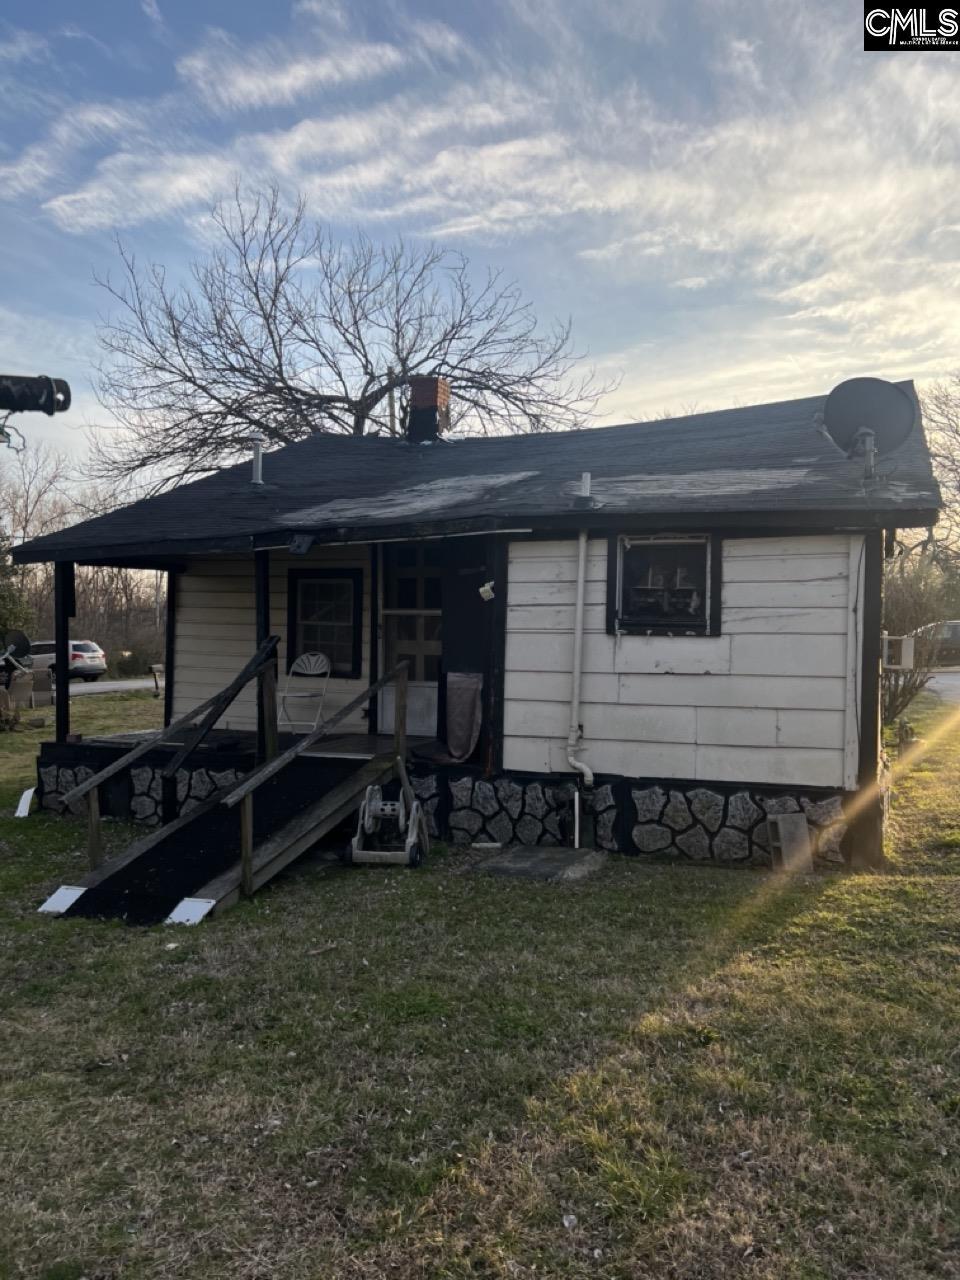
[772, 699]
[216, 630]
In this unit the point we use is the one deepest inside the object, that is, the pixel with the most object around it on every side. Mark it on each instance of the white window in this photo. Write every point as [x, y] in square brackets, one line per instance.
[325, 618]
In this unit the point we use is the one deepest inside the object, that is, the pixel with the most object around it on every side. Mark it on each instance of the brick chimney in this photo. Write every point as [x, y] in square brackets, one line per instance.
[429, 414]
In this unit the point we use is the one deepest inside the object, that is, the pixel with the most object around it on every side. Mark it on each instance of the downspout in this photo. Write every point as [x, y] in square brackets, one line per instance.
[573, 736]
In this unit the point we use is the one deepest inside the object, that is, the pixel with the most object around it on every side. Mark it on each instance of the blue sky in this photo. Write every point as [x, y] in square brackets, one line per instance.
[732, 200]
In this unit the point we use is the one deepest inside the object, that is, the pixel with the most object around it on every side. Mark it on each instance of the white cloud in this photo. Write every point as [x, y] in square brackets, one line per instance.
[157, 185]
[819, 188]
[341, 162]
[465, 111]
[152, 12]
[736, 357]
[437, 39]
[23, 46]
[82, 126]
[740, 61]
[565, 29]
[331, 13]
[229, 78]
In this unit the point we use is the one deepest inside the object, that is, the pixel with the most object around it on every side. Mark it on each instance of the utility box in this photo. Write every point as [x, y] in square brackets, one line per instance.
[898, 652]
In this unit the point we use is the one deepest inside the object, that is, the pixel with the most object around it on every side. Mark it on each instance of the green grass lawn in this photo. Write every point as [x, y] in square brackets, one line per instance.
[90, 715]
[664, 1072]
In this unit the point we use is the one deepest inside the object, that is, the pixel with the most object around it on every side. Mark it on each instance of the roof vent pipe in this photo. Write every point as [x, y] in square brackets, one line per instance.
[257, 477]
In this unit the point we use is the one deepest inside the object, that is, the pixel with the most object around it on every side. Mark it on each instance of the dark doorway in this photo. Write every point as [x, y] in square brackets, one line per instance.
[467, 618]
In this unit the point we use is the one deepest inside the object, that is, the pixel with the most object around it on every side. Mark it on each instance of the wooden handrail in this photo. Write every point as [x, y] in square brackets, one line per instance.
[266, 771]
[261, 661]
[264, 654]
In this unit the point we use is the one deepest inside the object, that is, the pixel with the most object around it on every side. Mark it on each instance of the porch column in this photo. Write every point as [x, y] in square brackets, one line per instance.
[864, 840]
[266, 705]
[373, 707]
[498, 561]
[169, 647]
[64, 608]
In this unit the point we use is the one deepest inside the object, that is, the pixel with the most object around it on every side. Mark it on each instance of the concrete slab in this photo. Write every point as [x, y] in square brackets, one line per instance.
[543, 862]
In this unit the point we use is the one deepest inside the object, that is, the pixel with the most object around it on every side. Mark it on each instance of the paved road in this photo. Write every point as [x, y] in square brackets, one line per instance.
[78, 687]
[947, 685]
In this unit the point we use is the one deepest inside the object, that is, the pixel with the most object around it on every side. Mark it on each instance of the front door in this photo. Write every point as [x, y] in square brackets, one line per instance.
[410, 624]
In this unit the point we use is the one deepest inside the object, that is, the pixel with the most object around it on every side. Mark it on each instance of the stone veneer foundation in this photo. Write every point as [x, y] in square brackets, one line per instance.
[653, 819]
[193, 786]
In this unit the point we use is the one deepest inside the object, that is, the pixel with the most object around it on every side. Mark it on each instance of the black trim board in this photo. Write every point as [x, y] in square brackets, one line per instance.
[170, 648]
[734, 524]
[64, 608]
[864, 839]
[715, 618]
[871, 659]
[294, 578]
[373, 707]
[261, 610]
[495, 674]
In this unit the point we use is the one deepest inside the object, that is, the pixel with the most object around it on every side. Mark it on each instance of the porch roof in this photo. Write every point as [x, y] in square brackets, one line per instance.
[757, 465]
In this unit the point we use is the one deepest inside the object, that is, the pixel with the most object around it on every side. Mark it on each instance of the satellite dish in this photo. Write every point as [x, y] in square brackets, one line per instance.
[869, 404]
[16, 645]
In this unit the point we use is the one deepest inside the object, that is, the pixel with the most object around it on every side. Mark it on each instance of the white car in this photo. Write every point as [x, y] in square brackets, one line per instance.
[87, 660]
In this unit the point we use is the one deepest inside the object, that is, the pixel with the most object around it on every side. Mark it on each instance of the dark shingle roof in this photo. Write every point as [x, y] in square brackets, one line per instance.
[764, 463]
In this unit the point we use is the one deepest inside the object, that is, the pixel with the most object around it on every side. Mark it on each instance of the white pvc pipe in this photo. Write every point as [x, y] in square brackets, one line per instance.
[573, 734]
[257, 460]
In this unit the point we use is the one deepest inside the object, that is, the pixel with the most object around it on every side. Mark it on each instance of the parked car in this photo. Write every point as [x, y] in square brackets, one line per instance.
[87, 660]
[948, 641]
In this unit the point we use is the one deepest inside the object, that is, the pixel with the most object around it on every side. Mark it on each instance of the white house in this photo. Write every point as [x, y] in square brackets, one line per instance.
[674, 626]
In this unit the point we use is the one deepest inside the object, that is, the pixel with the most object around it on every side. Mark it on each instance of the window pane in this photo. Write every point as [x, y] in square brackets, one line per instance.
[406, 628]
[664, 586]
[405, 595]
[412, 581]
[325, 620]
[404, 642]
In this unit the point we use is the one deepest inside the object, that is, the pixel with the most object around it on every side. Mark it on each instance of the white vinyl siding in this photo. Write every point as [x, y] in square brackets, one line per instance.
[772, 699]
[216, 630]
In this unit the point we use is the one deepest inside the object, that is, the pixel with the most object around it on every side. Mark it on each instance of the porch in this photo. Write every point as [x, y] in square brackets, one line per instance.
[366, 606]
[225, 756]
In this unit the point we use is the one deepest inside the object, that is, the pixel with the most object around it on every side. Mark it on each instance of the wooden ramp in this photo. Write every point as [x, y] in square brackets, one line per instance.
[284, 846]
[193, 867]
[238, 839]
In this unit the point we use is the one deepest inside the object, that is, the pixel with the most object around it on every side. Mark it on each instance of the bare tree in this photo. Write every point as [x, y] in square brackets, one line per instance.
[282, 330]
[941, 412]
[916, 594]
[121, 608]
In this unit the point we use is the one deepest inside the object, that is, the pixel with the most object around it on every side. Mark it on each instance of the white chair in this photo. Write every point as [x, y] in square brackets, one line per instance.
[316, 666]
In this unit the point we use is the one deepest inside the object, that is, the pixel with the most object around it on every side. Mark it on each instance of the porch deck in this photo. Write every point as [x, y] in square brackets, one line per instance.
[224, 756]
